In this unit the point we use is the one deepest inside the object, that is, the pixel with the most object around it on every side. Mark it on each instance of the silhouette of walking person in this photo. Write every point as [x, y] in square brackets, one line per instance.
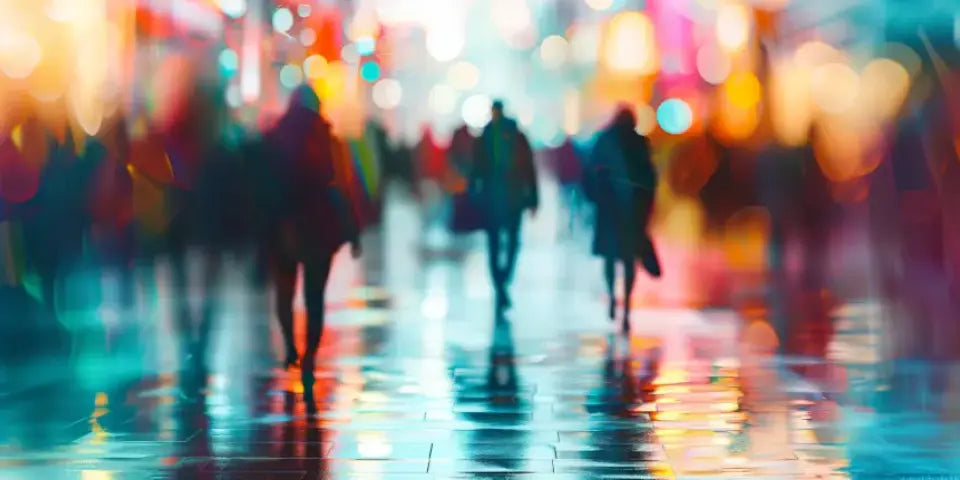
[312, 220]
[504, 179]
[621, 182]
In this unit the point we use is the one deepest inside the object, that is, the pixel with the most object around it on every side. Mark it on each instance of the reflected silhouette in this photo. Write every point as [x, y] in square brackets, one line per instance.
[612, 442]
[192, 434]
[497, 442]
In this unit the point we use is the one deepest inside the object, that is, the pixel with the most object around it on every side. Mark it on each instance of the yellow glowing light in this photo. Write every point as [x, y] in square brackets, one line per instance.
[315, 66]
[669, 416]
[19, 53]
[17, 136]
[790, 103]
[553, 51]
[745, 238]
[463, 75]
[96, 475]
[885, 86]
[733, 26]
[742, 89]
[735, 123]
[630, 44]
[646, 119]
[599, 5]
[834, 87]
[812, 54]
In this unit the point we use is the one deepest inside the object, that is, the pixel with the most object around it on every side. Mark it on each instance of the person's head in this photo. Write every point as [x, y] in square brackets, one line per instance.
[496, 110]
[625, 118]
[304, 97]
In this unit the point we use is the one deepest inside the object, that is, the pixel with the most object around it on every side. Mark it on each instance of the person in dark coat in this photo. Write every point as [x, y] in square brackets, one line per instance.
[504, 179]
[621, 181]
[312, 221]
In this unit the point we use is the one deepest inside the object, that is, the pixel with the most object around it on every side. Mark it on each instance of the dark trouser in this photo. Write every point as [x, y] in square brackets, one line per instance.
[503, 237]
[316, 270]
[610, 275]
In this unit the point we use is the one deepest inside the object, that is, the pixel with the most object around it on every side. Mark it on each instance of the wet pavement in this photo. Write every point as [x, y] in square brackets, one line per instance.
[418, 378]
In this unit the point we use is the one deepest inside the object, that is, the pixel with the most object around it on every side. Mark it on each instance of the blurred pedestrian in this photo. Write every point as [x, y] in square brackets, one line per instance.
[505, 179]
[621, 181]
[313, 220]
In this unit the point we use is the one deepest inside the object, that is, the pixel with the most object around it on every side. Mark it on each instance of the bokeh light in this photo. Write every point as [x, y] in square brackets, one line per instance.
[233, 8]
[553, 51]
[905, 56]
[19, 53]
[291, 76]
[476, 110]
[304, 10]
[733, 26]
[713, 64]
[308, 37]
[229, 61]
[282, 20]
[442, 99]
[585, 43]
[815, 53]
[370, 71]
[387, 94]
[513, 20]
[630, 44]
[445, 43]
[885, 84]
[599, 5]
[674, 116]
[366, 45]
[315, 66]
[349, 54]
[646, 119]
[232, 96]
[834, 87]
[463, 75]
[742, 90]
[790, 103]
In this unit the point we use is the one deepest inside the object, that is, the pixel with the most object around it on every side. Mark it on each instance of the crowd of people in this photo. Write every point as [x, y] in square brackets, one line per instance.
[197, 184]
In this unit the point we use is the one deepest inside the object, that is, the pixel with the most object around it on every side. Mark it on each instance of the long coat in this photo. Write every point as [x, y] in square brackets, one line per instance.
[620, 180]
[510, 187]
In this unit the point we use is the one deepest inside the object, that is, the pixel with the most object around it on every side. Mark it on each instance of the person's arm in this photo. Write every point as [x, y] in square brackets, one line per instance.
[529, 172]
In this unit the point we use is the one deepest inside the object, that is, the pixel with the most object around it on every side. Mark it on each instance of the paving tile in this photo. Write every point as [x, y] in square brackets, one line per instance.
[486, 466]
[493, 450]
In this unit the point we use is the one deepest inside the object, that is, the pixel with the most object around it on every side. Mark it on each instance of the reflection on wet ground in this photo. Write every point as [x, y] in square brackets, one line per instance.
[418, 378]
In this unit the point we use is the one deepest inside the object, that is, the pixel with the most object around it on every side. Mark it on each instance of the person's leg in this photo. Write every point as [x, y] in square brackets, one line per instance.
[179, 283]
[212, 275]
[629, 276]
[493, 257]
[316, 273]
[284, 271]
[610, 276]
[513, 248]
